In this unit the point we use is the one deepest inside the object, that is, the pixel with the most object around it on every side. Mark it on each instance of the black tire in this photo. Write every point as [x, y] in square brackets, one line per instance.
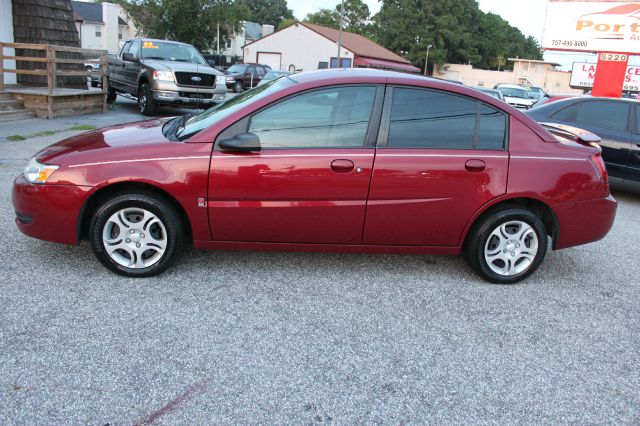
[478, 241]
[111, 94]
[146, 104]
[173, 232]
[237, 87]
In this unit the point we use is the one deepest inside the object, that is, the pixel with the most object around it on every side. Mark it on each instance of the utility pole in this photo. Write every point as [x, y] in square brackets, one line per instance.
[218, 37]
[426, 62]
[340, 32]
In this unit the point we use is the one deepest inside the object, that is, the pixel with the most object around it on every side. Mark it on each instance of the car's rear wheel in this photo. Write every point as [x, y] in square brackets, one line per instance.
[237, 87]
[507, 245]
[146, 104]
[136, 234]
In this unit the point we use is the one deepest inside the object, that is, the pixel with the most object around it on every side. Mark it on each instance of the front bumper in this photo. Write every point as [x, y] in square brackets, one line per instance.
[187, 97]
[48, 212]
[585, 221]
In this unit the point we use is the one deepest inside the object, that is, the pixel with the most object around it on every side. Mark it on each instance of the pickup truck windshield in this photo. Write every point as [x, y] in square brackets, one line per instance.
[229, 107]
[236, 69]
[171, 52]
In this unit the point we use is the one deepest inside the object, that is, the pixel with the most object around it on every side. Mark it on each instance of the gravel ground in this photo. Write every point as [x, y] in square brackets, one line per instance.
[281, 338]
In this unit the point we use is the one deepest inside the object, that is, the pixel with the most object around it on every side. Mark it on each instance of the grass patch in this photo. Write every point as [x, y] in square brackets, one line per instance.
[82, 127]
[43, 133]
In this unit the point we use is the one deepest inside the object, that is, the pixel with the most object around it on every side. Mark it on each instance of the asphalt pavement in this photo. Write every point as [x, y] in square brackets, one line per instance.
[307, 338]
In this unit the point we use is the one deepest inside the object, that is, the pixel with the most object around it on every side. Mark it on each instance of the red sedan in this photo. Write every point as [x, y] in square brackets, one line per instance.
[339, 160]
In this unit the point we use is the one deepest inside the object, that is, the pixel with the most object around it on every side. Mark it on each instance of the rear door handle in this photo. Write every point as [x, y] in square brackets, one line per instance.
[475, 165]
[342, 166]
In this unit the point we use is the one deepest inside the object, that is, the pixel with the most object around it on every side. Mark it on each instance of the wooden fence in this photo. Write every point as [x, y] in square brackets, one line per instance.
[52, 72]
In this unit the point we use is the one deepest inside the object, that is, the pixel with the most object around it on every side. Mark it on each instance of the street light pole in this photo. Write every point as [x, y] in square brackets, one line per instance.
[426, 62]
[340, 33]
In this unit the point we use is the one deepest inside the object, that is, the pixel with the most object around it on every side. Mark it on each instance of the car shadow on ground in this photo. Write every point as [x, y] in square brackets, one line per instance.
[130, 105]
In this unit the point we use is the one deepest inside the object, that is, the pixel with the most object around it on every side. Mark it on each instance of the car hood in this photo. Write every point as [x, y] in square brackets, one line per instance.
[518, 101]
[159, 65]
[139, 133]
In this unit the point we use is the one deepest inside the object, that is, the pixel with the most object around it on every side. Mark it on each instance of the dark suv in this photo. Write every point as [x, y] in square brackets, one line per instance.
[241, 77]
[616, 121]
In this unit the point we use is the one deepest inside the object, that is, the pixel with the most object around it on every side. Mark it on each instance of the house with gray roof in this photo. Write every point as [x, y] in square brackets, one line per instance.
[249, 33]
[102, 25]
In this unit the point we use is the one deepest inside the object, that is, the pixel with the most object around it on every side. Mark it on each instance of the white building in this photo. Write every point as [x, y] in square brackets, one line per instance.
[6, 35]
[102, 26]
[249, 33]
[305, 46]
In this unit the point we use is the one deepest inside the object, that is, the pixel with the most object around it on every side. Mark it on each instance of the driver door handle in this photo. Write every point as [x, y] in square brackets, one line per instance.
[342, 166]
[475, 165]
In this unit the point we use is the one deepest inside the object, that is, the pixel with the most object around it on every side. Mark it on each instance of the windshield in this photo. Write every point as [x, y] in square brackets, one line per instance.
[236, 69]
[514, 93]
[171, 52]
[229, 107]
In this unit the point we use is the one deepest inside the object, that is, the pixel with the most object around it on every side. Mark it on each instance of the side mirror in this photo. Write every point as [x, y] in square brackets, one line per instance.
[128, 57]
[244, 142]
[211, 63]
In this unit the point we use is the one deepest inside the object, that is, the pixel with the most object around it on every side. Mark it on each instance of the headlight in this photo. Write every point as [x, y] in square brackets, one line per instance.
[230, 79]
[220, 79]
[163, 75]
[36, 172]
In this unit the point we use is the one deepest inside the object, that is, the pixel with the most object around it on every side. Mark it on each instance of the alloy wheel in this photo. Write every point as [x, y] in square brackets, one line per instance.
[511, 248]
[134, 238]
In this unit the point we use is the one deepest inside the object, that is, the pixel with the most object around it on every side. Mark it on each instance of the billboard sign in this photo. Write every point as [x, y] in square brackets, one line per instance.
[592, 26]
[584, 73]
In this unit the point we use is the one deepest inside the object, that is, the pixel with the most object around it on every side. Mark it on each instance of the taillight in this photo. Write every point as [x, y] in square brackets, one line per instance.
[597, 161]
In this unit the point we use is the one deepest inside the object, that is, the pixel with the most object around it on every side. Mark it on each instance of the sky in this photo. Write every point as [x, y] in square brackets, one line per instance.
[527, 15]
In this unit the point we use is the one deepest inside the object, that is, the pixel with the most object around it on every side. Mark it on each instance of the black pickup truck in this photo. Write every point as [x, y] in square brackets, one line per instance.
[160, 72]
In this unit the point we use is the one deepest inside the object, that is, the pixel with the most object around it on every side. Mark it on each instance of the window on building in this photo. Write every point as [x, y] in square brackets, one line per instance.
[98, 30]
[119, 33]
[228, 43]
[344, 63]
[336, 117]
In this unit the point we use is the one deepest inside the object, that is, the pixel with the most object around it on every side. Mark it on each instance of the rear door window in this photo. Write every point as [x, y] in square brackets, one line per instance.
[432, 119]
[603, 114]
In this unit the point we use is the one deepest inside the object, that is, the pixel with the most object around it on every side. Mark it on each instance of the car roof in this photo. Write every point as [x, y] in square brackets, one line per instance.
[587, 98]
[510, 86]
[484, 89]
[160, 40]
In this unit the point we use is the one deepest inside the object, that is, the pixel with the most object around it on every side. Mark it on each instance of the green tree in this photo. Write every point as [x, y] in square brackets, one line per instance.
[356, 17]
[287, 23]
[271, 12]
[457, 29]
[189, 21]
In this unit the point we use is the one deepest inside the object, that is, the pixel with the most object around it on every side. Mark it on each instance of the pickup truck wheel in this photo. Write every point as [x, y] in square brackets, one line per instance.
[146, 105]
[237, 87]
[111, 93]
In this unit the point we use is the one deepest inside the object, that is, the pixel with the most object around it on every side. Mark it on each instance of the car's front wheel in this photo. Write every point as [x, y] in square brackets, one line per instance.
[507, 245]
[237, 87]
[136, 234]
